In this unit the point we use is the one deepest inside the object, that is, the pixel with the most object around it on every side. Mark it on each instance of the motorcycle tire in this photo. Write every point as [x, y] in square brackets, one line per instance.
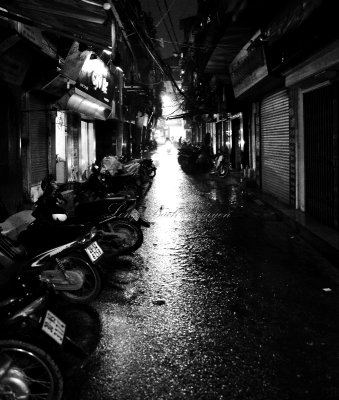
[32, 372]
[223, 170]
[129, 235]
[92, 280]
[152, 172]
[84, 328]
[188, 167]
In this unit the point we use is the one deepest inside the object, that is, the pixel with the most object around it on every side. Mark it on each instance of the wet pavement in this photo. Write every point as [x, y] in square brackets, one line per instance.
[222, 301]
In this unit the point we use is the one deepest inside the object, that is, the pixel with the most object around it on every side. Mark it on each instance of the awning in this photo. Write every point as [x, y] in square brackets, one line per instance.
[82, 103]
[83, 20]
[177, 116]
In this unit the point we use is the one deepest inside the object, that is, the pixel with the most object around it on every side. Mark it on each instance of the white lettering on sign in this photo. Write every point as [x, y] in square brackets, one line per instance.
[99, 82]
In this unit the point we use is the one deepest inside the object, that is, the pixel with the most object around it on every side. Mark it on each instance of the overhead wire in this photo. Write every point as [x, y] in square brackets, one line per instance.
[148, 44]
[164, 15]
[170, 19]
[195, 47]
[165, 24]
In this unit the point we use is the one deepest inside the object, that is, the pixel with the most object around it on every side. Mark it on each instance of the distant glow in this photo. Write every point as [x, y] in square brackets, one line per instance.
[167, 186]
[241, 144]
[107, 51]
[177, 131]
[166, 100]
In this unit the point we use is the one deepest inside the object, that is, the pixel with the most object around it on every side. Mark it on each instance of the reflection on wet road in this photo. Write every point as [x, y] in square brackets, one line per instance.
[221, 302]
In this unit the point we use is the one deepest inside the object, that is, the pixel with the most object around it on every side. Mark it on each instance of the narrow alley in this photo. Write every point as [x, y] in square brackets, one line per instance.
[222, 301]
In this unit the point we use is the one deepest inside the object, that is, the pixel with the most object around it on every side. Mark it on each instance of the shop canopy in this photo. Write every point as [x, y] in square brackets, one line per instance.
[87, 21]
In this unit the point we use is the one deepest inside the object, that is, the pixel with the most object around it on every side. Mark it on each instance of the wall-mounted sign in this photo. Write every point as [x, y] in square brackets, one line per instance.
[249, 67]
[96, 80]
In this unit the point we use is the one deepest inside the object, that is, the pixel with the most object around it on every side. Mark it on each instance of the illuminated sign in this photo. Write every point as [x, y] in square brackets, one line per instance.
[96, 80]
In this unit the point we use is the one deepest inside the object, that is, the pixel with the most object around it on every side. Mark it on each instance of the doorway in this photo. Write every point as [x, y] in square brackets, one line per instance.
[320, 114]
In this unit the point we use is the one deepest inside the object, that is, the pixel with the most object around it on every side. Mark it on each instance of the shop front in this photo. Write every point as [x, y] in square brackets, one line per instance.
[85, 88]
[314, 91]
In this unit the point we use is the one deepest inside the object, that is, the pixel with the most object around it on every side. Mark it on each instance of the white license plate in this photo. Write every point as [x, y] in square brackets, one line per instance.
[135, 214]
[54, 327]
[94, 251]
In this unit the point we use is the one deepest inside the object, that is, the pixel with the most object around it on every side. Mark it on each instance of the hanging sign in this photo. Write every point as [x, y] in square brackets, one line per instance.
[248, 68]
[96, 80]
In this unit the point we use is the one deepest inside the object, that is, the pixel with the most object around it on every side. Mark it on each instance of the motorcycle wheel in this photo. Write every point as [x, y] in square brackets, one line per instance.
[152, 172]
[92, 280]
[127, 237]
[84, 328]
[31, 373]
[223, 170]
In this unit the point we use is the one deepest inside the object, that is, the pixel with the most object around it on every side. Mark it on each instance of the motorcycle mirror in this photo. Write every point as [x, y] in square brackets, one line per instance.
[59, 217]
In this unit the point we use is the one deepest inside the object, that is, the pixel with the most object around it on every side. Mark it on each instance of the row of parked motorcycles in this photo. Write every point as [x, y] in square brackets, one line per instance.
[196, 158]
[52, 269]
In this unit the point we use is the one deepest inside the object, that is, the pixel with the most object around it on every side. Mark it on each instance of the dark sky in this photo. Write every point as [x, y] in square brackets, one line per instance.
[178, 9]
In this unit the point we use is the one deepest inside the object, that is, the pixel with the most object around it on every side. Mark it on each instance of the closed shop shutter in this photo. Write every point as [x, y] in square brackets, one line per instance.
[275, 145]
[38, 131]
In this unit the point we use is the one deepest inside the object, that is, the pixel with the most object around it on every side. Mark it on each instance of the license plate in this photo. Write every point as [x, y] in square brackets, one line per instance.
[94, 251]
[54, 327]
[135, 214]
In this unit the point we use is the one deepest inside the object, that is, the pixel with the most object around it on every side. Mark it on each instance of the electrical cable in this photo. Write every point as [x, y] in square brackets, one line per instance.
[170, 20]
[149, 47]
[164, 16]
[165, 25]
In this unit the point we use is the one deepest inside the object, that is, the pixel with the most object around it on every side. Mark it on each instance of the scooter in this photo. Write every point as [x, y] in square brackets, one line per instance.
[221, 165]
[116, 218]
[70, 267]
[148, 168]
[194, 159]
[120, 176]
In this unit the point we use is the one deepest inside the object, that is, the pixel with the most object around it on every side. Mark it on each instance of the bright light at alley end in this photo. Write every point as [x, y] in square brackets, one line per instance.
[166, 101]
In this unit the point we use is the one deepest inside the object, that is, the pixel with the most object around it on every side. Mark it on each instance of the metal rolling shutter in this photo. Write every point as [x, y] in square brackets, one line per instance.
[38, 130]
[275, 145]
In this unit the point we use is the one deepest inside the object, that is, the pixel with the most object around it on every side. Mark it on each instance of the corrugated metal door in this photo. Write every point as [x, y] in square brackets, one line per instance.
[38, 132]
[320, 153]
[274, 115]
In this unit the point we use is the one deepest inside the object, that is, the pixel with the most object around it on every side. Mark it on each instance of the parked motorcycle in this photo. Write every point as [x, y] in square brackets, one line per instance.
[28, 372]
[142, 166]
[194, 159]
[38, 339]
[120, 175]
[115, 217]
[148, 168]
[71, 267]
[153, 144]
[222, 166]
